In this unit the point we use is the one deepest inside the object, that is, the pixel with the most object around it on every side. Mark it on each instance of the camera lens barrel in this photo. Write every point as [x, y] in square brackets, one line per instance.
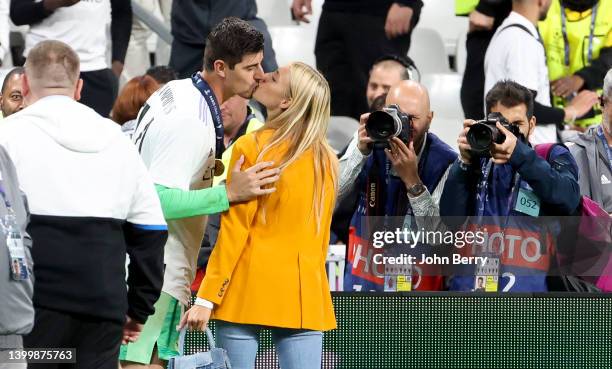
[382, 126]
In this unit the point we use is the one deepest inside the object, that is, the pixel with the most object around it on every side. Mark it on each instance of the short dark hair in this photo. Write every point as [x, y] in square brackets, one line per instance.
[11, 73]
[162, 73]
[510, 94]
[230, 40]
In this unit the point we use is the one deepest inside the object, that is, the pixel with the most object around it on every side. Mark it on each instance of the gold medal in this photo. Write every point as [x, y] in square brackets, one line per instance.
[219, 167]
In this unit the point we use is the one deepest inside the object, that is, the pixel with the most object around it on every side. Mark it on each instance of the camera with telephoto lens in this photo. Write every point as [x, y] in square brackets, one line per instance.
[382, 125]
[483, 134]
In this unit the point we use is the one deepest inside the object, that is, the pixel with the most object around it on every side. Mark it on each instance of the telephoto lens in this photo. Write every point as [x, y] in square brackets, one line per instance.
[484, 133]
[382, 125]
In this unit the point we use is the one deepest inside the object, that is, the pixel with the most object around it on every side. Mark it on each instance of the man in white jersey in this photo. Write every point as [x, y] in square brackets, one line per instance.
[179, 135]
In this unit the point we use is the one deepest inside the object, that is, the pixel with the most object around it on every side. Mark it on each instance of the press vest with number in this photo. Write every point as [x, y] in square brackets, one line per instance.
[361, 274]
[527, 252]
[577, 40]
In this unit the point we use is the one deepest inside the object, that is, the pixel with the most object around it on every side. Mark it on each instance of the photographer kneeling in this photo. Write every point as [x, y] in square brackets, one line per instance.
[400, 169]
[505, 188]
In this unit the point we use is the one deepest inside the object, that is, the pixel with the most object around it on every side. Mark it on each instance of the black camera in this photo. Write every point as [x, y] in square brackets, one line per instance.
[382, 125]
[483, 134]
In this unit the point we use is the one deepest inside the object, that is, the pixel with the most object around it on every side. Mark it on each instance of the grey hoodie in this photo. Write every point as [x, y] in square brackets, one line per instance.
[16, 310]
[595, 177]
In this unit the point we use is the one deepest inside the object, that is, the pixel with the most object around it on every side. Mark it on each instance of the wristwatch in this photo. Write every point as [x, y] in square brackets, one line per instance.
[416, 189]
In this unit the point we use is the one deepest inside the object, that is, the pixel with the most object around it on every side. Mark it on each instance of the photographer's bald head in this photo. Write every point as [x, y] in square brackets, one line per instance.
[51, 68]
[413, 99]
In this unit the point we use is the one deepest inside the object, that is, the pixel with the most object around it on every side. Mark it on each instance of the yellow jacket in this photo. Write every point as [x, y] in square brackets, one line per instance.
[272, 272]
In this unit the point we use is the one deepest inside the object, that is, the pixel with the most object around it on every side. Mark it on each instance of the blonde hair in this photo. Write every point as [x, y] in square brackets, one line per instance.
[302, 127]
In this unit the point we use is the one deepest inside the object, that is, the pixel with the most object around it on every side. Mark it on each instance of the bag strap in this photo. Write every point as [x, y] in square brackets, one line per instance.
[544, 150]
[183, 333]
[517, 25]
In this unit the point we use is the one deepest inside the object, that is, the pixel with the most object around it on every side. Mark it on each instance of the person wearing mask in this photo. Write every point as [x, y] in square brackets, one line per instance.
[92, 201]
[593, 153]
[412, 189]
[516, 53]
[262, 253]
[11, 98]
[504, 192]
[345, 26]
[83, 25]
[179, 134]
[577, 36]
[132, 98]
[17, 280]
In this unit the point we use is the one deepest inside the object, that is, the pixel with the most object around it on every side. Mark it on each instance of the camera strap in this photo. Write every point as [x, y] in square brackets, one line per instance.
[483, 194]
[375, 204]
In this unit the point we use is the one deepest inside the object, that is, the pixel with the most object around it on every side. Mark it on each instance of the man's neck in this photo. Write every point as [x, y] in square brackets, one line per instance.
[32, 97]
[529, 11]
[216, 84]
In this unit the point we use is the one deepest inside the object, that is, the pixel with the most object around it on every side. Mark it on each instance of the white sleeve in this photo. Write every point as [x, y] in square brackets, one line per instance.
[522, 60]
[174, 149]
[145, 208]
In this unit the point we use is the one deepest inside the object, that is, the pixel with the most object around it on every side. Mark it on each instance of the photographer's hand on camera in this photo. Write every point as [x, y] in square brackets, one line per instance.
[246, 185]
[462, 142]
[404, 160]
[364, 142]
[501, 153]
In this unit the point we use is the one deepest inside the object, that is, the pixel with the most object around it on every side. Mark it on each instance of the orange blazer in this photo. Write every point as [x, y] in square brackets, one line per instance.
[271, 271]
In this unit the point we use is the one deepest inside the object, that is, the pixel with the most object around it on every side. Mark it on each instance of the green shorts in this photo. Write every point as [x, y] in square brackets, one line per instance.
[160, 330]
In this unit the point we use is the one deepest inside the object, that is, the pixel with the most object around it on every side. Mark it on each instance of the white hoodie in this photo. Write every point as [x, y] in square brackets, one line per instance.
[73, 162]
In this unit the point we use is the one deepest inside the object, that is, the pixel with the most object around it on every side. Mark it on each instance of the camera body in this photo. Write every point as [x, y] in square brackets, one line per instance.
[483, 134]
[382, 125]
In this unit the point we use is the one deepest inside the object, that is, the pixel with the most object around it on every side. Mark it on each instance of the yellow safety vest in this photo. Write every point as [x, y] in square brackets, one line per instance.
[571, 50]
[465, 7]
[253, 125]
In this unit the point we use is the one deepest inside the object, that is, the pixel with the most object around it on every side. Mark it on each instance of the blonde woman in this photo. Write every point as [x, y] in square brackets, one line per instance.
[267, 269]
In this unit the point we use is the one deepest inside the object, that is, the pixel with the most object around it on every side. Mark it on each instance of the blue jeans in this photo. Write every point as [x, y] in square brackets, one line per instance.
[296, 348]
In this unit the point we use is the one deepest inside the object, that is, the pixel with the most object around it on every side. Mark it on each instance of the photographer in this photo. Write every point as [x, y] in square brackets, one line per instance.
[489, 184]
[412, 188]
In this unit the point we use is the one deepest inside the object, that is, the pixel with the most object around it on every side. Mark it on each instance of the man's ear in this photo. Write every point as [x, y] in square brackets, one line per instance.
[219, 68]
[25, 85]
[285, 104]
[78, 89]
[532, 124]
